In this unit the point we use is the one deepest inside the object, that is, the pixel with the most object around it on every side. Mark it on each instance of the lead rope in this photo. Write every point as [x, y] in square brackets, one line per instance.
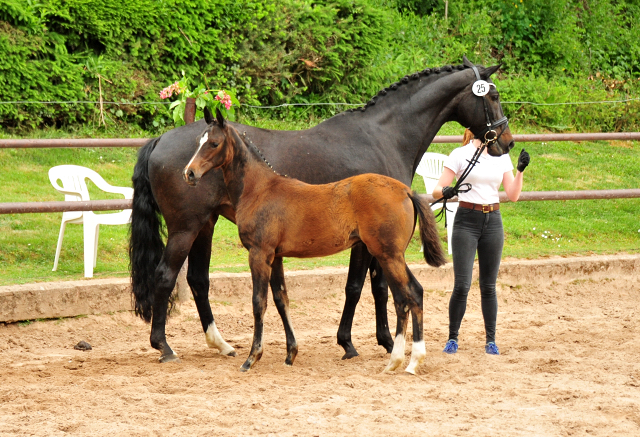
[460, 187]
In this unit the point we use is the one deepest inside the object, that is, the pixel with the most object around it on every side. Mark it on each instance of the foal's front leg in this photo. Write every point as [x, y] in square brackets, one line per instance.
[281, 299]
[260, 264]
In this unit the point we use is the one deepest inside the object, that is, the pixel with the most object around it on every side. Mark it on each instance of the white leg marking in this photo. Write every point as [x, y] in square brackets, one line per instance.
[397, 354]
[418, 354]
[215, 340]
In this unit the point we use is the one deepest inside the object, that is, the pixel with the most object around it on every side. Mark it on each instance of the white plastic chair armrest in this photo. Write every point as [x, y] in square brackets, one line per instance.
[56, 185]
[127, 192]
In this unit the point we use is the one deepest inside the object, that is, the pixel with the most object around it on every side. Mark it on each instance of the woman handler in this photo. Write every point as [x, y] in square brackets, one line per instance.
[478, 227]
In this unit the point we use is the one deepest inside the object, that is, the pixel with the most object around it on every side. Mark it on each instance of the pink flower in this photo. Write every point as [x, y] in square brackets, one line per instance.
[224, 98]
[168, 91]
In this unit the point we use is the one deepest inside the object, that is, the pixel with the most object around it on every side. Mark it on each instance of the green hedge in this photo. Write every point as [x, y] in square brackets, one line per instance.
[270, 51]
[275, 51]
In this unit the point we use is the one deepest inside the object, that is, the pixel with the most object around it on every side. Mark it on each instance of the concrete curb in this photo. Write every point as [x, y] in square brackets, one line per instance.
[68, 299]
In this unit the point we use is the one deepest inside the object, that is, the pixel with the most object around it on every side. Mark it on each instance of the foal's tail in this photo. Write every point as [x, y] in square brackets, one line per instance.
[433, 252]
[145, 239]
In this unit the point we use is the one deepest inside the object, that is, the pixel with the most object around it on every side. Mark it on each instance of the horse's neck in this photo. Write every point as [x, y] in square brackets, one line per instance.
[245, 174]
[419, 111]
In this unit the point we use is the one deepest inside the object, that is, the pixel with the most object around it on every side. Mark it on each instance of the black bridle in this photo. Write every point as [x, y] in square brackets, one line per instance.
[488, 136]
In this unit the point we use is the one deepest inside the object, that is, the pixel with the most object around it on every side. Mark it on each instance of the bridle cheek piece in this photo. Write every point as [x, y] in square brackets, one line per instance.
[489, 133]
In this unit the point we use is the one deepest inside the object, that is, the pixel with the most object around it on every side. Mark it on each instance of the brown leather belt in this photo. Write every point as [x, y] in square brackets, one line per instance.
[478, 207]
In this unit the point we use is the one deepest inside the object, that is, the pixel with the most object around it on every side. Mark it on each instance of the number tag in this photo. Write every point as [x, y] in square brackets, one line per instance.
[480, 88]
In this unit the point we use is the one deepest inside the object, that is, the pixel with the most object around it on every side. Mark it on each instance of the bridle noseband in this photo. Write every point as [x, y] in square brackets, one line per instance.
[488, 135]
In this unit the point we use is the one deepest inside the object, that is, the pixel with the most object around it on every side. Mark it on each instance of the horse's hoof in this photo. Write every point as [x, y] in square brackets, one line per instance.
[169, 358]
[411, 371]
[231, 353]
[350, 354]
[246, 366]
[393, 365]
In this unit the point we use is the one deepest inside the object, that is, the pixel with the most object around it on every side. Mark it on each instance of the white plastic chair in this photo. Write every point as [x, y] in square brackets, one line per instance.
[430, 168]
[74, 188]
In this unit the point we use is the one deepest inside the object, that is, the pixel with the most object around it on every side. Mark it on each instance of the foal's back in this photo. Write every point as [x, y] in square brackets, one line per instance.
[302, 220]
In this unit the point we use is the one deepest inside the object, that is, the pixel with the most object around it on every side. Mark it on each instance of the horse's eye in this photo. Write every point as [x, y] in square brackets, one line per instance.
[214, 144]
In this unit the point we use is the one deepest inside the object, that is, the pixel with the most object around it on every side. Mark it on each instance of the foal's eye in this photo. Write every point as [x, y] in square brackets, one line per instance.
[214, 144]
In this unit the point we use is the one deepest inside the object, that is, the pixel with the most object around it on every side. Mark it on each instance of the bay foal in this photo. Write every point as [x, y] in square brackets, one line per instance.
[279, 216]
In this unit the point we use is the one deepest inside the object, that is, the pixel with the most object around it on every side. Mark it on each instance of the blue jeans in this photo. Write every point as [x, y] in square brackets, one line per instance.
[475, 231]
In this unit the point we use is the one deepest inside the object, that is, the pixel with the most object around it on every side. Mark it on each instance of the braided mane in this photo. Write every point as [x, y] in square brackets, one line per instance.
[407, 79]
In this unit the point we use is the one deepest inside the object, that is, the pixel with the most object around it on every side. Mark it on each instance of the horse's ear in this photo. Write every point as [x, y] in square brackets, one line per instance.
[489, 71]
[208, 116]
[221, 121]
[466, 62]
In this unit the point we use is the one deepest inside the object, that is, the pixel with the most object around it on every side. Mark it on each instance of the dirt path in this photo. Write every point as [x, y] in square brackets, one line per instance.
[570, 365]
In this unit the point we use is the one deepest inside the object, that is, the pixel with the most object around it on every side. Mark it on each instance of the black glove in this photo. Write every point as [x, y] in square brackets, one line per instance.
[449, 192]
[523, 160]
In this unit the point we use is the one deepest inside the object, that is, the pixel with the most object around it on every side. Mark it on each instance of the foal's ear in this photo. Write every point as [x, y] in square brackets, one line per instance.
[489, 71]
[221, 121]
[466, 62]
[208, 116]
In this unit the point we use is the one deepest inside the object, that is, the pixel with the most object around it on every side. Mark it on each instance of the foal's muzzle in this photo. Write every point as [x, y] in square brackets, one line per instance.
[190, 177]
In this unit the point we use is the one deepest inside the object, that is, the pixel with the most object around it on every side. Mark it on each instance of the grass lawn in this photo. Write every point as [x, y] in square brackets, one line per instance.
[533, 229]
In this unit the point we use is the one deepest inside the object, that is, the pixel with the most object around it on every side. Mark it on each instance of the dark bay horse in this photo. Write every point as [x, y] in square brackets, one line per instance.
[388, 136]
[282, 217]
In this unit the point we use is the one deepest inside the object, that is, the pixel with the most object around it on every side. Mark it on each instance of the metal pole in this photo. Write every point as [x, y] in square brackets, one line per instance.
[119, 204]
[139, 142]
[190, 111]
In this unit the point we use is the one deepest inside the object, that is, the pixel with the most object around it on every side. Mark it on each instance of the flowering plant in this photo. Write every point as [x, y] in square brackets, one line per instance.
[214, 99]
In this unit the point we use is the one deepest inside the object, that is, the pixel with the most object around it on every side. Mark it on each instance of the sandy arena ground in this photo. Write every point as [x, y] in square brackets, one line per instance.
[570, 365]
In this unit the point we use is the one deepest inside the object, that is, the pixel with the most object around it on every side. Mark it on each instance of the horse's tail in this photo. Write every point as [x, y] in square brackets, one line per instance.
[433, 252]
[145, 239]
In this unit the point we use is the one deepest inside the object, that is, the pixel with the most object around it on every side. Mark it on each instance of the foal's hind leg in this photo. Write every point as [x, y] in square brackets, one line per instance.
[418, 351]
[198, 279]
[407, 296]
[281, 299]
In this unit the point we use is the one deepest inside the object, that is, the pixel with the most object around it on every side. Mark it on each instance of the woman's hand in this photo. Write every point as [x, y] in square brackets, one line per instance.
[449, 192]
[523, 160]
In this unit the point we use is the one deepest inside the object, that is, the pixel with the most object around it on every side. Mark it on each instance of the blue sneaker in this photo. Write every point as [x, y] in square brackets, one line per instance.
[451, 347]
[491, 349]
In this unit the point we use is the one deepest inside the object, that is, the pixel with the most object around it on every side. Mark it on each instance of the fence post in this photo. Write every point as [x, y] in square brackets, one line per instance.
[182, 286]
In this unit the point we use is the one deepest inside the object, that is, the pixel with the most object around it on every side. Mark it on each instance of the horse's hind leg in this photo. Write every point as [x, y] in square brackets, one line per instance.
[281, 299]
[165, 279]
[260, 264]
[198, 279]
[358, 265]
[380, 291]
